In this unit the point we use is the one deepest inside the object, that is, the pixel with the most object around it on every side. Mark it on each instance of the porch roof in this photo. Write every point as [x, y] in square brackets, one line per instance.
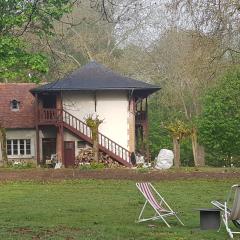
[94, 77]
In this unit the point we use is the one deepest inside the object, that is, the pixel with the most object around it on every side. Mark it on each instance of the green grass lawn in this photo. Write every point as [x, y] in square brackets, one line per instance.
[102, 209]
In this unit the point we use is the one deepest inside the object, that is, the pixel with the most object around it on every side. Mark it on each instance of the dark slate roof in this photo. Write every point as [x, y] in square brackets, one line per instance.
[93, 77]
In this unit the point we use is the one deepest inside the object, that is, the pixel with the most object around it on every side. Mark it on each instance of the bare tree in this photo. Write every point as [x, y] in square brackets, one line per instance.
[183, 59]
[181, 63]
[219, 19]
[85, 34]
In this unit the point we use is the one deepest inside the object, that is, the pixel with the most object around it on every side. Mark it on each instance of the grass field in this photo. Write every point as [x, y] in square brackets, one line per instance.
[102, 209]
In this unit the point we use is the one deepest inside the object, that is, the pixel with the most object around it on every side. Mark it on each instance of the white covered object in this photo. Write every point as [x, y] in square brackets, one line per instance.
[139, 159]
[58, 165]
[164, 159]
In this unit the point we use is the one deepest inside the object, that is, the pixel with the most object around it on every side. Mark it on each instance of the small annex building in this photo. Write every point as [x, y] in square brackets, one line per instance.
[42, 120]
[17, 116]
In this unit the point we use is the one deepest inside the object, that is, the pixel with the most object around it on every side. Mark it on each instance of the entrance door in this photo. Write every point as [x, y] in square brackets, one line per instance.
[48, 148]
[69, 153]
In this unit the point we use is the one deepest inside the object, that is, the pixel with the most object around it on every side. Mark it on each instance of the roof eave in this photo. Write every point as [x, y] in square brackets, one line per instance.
[36, 90]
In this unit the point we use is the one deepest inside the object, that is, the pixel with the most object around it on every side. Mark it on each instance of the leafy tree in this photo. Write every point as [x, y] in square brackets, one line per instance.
[219, 123]
[17, 63]
[21, 17]
[158, 135]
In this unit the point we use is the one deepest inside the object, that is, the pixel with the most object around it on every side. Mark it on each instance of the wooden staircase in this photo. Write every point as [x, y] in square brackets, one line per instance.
[81, 130]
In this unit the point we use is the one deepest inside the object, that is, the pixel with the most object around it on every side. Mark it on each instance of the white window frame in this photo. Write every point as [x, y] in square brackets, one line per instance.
[15, 109]
[18, 148]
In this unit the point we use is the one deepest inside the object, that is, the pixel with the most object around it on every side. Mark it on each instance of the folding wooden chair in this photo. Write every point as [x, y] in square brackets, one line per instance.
[161, 208]
[230, 214]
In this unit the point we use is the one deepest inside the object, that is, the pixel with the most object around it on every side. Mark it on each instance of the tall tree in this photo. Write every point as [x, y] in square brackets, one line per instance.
[219, 123]
[181, 60]
[91, 35]
[19, 17]
[213, 18]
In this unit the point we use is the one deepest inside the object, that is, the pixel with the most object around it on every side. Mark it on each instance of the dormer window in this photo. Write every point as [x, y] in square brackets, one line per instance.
[14, 105]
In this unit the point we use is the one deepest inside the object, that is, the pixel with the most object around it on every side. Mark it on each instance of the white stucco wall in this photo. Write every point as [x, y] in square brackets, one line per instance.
[79, 104]
[112, 106]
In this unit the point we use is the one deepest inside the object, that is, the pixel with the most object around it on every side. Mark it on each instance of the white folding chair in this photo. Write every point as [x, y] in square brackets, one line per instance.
[161, 208]
[230, 214]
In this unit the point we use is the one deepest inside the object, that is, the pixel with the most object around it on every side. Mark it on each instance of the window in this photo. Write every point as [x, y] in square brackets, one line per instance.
[15, 105]
[18, 147]
[81, 144]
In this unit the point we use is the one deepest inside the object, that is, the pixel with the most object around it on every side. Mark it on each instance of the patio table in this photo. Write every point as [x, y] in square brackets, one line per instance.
[209, 218]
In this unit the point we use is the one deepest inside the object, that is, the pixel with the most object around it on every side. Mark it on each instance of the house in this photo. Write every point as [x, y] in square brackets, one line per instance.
[17, 116]
[42, 120]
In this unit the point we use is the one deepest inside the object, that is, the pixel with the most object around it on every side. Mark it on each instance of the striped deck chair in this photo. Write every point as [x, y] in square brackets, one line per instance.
[161, 208]
[230, 214]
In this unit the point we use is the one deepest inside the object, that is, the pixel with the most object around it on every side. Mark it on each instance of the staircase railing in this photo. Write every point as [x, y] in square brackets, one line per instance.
[58, 116]
[104, 141]
[76, 123]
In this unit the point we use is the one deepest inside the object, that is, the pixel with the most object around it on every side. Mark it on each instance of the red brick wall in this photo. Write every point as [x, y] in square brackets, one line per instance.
[24, 118]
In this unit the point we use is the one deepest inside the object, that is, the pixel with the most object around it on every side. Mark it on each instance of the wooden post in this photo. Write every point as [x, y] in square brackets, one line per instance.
[38, 145]
[147, 132]
[95, 101]
[132, 127]
[62, 142]
[62, 128]
[37, 127]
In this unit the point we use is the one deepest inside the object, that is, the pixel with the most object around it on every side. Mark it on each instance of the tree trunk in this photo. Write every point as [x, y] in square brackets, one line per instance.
[3, 148]
[176, 150]
[201, 155]
[95, 147]
[1, 155]
[93, 124]
[198, 150]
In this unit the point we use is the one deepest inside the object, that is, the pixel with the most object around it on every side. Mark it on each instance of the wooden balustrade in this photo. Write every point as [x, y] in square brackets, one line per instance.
[76, 123]
[48, 115]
